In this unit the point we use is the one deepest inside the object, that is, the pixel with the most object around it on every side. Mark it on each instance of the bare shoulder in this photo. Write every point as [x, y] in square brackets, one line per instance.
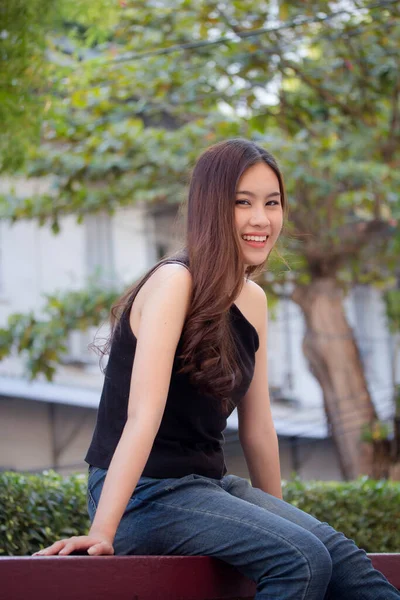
[169, 275]
[257, 296]
[169, 282]
[257, 304]
[256, 291]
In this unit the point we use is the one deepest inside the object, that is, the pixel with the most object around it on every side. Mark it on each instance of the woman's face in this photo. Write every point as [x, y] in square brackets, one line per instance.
[258, 212]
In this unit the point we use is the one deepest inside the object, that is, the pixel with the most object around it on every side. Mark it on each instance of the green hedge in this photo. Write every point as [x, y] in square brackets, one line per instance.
[366, 511]
[36, 510]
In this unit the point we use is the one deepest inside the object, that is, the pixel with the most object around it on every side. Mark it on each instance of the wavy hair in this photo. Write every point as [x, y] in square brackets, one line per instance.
[212, 252]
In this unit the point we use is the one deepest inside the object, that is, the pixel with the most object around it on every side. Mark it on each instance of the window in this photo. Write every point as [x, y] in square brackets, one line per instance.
[100, 248]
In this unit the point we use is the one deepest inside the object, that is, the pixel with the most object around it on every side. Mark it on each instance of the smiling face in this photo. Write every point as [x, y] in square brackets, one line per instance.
[258, 213]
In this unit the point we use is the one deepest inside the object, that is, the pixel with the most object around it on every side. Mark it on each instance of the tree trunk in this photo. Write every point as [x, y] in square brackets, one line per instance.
[334, 359]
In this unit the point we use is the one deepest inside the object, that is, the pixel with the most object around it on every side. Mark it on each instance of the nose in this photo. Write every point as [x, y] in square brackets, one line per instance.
[259, 217]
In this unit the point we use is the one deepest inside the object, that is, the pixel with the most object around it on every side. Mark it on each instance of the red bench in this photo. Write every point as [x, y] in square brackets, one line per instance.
[137, 578]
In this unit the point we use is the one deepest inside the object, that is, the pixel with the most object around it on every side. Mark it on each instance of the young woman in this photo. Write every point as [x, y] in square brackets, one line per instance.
[188, 344]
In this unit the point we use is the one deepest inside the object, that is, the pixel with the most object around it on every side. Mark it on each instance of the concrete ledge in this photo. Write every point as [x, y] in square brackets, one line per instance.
[137, 578]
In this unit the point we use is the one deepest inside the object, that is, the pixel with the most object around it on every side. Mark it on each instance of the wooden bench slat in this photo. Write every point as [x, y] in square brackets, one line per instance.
[122, 578]
[389, 565]
[137, 578]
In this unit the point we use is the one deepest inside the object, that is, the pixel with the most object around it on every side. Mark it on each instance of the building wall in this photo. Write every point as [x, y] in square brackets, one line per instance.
[33, 434]
[366, 314]
[36, 435]
[34, 261]
[309, 459]
[134, 251]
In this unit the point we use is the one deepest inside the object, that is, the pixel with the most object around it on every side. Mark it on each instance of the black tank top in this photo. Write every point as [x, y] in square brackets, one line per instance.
[190, 438]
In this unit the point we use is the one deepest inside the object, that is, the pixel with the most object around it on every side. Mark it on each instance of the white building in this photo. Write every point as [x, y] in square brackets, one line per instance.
[44, 425]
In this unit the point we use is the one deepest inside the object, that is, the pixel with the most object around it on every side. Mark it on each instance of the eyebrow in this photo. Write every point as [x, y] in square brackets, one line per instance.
[272, 195]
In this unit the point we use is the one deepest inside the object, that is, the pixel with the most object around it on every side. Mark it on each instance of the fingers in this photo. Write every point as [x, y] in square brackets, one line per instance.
[53, 549]
[102, 548]
[65, 547]
[70, 547]
[76, 543]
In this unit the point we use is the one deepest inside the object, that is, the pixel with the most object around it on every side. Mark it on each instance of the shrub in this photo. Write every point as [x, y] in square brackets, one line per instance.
[365, 510]
[36, 510]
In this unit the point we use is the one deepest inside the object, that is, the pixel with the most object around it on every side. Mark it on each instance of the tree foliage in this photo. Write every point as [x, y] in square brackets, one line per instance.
[28, 30]
[318, 85]
[42, 340]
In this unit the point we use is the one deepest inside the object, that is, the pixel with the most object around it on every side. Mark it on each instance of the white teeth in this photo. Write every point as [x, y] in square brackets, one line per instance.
[255, 238]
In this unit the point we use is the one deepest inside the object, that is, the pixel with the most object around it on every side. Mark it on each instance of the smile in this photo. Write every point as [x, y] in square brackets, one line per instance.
[256, 241]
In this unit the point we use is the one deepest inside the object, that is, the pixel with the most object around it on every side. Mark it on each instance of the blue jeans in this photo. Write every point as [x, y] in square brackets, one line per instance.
[288, 553]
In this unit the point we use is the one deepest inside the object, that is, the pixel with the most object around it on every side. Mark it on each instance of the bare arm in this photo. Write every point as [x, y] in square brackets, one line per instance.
[160, 328]
[257, 433]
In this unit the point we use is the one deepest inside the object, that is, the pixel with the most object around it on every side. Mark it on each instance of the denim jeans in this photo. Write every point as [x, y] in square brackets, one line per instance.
[288, 553]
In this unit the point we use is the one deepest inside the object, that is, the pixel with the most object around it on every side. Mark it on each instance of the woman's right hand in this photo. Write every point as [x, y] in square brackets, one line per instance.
[95, 545]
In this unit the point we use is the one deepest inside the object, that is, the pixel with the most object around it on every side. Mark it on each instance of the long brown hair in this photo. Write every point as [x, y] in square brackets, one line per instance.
[212, 253]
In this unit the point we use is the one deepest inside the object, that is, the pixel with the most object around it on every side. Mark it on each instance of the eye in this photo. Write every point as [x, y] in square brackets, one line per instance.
[274, 202]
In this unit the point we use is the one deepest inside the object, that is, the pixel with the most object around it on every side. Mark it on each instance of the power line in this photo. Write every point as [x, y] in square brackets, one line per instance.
[297, 22]
[199, 98]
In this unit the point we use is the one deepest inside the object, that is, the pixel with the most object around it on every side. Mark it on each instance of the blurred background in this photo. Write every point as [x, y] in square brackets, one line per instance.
[104, 108]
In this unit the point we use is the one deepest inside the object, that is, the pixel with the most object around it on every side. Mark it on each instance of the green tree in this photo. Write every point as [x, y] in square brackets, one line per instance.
[28, 30]
[319, 85]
